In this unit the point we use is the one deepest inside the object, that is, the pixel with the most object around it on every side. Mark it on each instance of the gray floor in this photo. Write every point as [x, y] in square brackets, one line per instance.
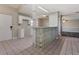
[70, 46]
[64, 46]
[13, 47]
[52, 49]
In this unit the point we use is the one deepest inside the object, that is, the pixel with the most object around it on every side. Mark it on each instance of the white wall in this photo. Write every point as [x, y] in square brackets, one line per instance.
[5, 23]
[53, 20]
[6, 10]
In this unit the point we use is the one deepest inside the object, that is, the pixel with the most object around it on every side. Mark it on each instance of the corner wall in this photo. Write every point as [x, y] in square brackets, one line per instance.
[9, 11]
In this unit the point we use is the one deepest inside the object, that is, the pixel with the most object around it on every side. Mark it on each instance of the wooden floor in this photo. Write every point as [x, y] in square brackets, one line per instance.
[53, 49]
[64, 46]
[12, 47]
[70, 46]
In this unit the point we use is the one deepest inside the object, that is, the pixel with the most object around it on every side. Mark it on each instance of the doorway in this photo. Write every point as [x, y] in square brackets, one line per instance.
[24, 27]
[27, 28]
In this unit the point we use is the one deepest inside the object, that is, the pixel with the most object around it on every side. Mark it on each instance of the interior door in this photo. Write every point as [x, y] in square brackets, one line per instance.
[27, 28]
[5, 27]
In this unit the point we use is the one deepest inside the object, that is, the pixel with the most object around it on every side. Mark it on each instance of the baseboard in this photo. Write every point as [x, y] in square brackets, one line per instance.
[70, 34]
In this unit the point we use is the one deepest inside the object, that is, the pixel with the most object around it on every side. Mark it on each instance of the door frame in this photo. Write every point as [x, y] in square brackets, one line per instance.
[19, 23]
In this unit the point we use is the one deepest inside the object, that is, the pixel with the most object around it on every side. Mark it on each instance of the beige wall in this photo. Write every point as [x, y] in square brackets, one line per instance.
[71, 23]
[9, 11]
[43, 21]
[71, 26]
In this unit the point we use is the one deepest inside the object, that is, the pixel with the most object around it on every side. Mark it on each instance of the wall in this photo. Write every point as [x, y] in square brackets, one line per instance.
[6, 10]
[50, 21]
[43, 22]
[53, 20]
[71, 26]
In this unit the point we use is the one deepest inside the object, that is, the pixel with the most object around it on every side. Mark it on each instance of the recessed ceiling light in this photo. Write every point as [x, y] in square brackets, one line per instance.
[65, 21]
[44, 15]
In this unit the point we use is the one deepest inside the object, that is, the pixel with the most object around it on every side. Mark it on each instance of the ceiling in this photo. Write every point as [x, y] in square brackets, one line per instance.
[70, 11]
[65, 9]
[71, 17]
[22, 8]
[13, 5]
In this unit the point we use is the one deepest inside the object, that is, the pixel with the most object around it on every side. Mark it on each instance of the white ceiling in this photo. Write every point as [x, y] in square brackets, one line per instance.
[65, 9]
[26, 9]
[71, 17]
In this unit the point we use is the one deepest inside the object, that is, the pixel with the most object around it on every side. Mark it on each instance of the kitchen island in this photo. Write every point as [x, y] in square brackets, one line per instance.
[45, 36]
